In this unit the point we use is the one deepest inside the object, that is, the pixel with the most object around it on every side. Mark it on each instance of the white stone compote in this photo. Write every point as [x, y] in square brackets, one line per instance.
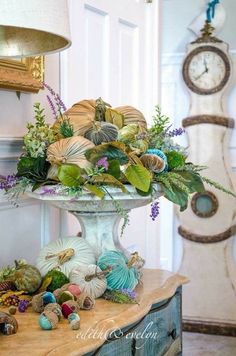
[98, 218]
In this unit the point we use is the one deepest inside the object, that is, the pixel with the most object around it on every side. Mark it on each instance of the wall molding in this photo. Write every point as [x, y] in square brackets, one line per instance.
[10, 148]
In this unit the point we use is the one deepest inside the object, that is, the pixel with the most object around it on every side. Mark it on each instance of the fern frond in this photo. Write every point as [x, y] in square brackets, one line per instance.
[218, 186]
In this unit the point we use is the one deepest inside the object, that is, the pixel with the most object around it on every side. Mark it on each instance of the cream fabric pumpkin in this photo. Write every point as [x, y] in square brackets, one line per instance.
[90, 279]
[70, 150]
[66, 254]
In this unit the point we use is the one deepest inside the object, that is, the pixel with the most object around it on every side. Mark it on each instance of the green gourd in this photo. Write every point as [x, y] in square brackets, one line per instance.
[123, 274]
[102, 132]
[26, 278]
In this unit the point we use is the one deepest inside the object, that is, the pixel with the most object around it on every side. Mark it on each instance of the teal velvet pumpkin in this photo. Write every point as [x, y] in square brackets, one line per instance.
[122, 276]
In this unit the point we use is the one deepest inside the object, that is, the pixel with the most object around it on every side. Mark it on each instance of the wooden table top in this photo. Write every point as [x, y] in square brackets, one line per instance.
[157, 285]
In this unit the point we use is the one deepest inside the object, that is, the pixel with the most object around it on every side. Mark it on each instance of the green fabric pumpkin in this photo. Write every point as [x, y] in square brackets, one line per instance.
[102, 132]
[122, 276]
[26, 278]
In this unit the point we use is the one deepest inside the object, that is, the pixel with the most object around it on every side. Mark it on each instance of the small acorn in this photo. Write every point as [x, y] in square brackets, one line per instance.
[55, 308]
[69, 307]
[74, 320]
[48, 320]
[12, 310]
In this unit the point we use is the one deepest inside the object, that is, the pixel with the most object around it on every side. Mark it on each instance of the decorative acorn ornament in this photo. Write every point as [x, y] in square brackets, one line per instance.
[85, 301]
[26, 278]
[69, 307]
[8, 324]
[74, 320]
[91, 279]
[48, 320]
[55, 308]
[102, 132]
[70, 150]
[40, 300]
[124, 274]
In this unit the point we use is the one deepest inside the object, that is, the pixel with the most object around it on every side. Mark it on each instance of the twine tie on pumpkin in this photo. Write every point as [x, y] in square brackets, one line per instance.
[99, 275]
[63, 256]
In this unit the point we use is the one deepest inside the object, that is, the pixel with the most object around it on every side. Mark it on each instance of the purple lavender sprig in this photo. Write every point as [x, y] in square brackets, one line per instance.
[61, 103]
[57, 99]
[52, 106]
[7, 182]
[176, 132]
[155, 210]
[131, 294]
[46, 190]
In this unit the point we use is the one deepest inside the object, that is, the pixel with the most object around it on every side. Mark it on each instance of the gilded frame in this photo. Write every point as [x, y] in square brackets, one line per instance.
[24, 75]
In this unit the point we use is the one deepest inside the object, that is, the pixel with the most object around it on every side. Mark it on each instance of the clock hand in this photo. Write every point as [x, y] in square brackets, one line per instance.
[205, 64]
[199, 76]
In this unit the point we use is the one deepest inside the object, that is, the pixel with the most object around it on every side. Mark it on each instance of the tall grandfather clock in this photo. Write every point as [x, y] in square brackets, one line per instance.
[208, 226]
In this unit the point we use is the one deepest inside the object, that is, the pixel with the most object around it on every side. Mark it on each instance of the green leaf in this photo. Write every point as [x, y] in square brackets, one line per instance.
[114, 168]
[114, 117]
[70, 175]
[195, 183]
[139, 177]
[144, 194]
[105, 179]
[95, 190]
[106, 150]
[33, 168]
[176, 196]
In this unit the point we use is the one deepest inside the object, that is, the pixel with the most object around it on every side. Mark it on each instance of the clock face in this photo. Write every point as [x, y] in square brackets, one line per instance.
[206, 70]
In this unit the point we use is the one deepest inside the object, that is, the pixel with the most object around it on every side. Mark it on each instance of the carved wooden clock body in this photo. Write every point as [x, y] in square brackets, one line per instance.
[208, 225]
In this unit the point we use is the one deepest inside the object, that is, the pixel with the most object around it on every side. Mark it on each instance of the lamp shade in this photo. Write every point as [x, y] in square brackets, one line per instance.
[33, 27]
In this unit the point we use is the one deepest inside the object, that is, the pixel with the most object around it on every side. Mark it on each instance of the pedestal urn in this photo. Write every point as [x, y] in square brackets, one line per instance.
[99, 218]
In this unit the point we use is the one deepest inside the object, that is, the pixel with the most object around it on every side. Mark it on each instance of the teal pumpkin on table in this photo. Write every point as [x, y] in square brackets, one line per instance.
[123, 274]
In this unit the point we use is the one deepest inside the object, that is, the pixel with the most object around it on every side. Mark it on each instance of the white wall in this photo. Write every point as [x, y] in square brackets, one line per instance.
[177, 15]
[25, 229]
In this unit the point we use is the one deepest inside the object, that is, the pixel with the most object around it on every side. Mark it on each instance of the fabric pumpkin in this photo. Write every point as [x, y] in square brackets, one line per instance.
[122, 275]
[90, 279]
[26, 278]
[153, 162]
[132, 116]
[70, 150]
[102, 132]
[81, 116]
[66, 253]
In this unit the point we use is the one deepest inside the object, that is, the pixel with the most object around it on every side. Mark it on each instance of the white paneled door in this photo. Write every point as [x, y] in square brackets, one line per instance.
[114, 55]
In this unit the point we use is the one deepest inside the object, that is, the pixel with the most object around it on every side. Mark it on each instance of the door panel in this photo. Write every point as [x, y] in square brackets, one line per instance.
[114, 55]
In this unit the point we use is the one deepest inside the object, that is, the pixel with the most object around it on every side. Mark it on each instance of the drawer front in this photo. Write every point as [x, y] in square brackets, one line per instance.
[162, 328]
[153, 336]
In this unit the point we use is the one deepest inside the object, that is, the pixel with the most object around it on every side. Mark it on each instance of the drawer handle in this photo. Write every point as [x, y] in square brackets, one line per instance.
[133, 347]
[173, 334]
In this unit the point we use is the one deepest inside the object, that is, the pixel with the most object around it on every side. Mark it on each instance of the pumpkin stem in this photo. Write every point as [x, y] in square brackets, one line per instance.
[134, 258]
[17, 264]
[63, 256]
[100, 109]
[101, 274]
